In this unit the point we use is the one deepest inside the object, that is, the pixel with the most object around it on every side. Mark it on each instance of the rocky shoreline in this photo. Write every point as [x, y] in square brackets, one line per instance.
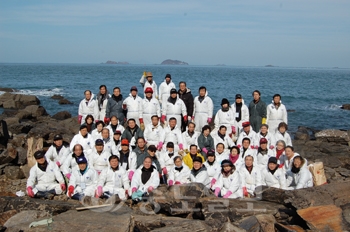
[188, 208]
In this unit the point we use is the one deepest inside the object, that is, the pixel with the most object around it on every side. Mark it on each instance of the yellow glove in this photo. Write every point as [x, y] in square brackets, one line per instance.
[263, 121]
[142, 126]
[144, 73]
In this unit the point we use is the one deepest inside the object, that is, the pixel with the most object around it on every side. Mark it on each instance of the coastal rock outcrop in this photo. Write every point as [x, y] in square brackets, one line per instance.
[17, 101]
[173, 62]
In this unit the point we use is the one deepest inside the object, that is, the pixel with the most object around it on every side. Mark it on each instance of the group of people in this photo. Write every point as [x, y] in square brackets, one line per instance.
[127, 147]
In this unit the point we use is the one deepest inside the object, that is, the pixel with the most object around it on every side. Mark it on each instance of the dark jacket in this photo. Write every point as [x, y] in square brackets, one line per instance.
[187, 98]
[115, 108]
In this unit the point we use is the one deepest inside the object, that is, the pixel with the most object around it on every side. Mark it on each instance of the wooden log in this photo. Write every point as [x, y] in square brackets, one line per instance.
[92, 207]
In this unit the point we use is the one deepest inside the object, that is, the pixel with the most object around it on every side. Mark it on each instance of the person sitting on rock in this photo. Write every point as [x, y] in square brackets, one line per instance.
[172, 133]
[45, 179]
[99, 157]
[248, 132]
[250, 176]
[116, 143]
[229, 183]
[179, 173]
[87, 106]
[83, 180]
[221, 153]
[113, 180]
[58, 151]
[97, 132]
[166, 158]
[282, 134]
[199, 172]
[127, 158]
[246, 150]
[235, 158]
[272, 176]
[145, 180]
[205, 141]
[213, 167]
[269, 136]
[263, 154]
[114, 125]
[132, 132]
[279, 150]
[222, 137]
[71, 162]
[90, 123]
[154, 133]
[299, 175]
[190, 136]
[286, 160]
[107, 141]
[84, 139]
[189, 157]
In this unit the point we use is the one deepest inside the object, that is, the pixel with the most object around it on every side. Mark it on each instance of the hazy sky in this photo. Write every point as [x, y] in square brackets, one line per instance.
[308, 33]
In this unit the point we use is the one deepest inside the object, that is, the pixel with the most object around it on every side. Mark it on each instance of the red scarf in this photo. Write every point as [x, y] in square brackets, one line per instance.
[279, 153]
[233, 159]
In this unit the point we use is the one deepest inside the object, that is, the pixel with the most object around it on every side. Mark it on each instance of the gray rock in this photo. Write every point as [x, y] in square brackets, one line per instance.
[57, 97]
[263, 223]
[345, 107]
[332, 135]
[17, 101]
[64, 102]
[14, 172]
[26, 216]
[302, 134]
[62, 115]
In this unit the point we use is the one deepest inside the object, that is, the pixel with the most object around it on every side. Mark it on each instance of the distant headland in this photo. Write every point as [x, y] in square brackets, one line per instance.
[173, 62]
[114, 62]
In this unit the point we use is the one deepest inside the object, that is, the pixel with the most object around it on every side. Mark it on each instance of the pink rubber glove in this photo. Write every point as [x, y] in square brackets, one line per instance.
[165, 171]
[30, 191]
[68, 176]
[239, 146]
[209, 120]
[227, 194]
[272, 147]
[171, 182]
[185, 118]
[181, 146]
[141, 120]
[256, 147]
[133, 189]
[205, 150]
[193, 118]
[63, 187]
[162, 119]
[126, 193]
[106, 120]
[252, 146]
[58, 163]
[80, 117]
[245, 192]
[217, 191]
[160, 145]
[233, 128]
[70, 190]
[177, 182]
[213, 181]
[150, 189]
[131, 174]
[99, 191]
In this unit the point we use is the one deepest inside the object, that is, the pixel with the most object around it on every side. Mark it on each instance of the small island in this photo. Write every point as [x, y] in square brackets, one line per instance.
[114, 62]
[173, 62]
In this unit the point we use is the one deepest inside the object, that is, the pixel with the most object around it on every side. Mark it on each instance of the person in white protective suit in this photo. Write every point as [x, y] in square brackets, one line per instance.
[179, 173]
[58, 151]
[299, 175]
[98, 159]
[240, 110]
[174, 107]
[199, 172]
[116, 143]
[113, 180]
[87, 106]
[172, 133]
[84, 139]
[221, 152]
[164, 89]
[202, 109]
[226, 117]
[102, 99]
[272, 176]
[282, 134]
[263, 154]
[222, 137]
[235, 157]
[147, 82]
[133, 105]
[229, 181]
[265, 133]
[150, 107]
[154, 133]
[45, 179]
[127, 158]
[166, 158]
[114, 125]
[96, 133]
[286, 160]
[83, 181]
[190, 136]
[276, 113]
[213, 167]
[145, 180]
[247, 150]
[248, 132]
[251, 176]
[71, 161]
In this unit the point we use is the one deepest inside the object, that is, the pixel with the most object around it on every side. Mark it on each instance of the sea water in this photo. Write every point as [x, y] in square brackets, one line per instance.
[314, 95]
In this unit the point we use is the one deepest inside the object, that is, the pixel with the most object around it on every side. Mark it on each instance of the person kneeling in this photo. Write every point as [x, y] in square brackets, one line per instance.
[145, 180]
[199, 172]
[113, 180]
[83, 180]
[43, 178]
[180, 173]
[299, 176]
[228, 184]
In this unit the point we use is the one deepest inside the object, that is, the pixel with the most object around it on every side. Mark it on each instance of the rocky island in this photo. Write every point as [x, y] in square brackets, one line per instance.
[173, 62]
[114, 62]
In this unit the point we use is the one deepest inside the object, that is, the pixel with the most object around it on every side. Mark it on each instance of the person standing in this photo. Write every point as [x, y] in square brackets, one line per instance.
[102, 99]
[150, 106]
[174, 107]
[87, 106]
[133, 105]
[164, 89]
[257, 111]
[203, 109]
[276, 113]
[147, 82]
[115, 107]
[240, 110]
[186, 96]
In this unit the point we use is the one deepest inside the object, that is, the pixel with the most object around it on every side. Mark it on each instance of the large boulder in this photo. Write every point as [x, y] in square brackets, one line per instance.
[302, 134]
[62, 115]
[25, 216]
[17, 101]
[261, 222]
[345, 107]
[14, 172]
[332, 135]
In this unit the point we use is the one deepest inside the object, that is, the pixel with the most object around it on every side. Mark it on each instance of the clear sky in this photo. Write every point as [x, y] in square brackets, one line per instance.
[306, 33]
